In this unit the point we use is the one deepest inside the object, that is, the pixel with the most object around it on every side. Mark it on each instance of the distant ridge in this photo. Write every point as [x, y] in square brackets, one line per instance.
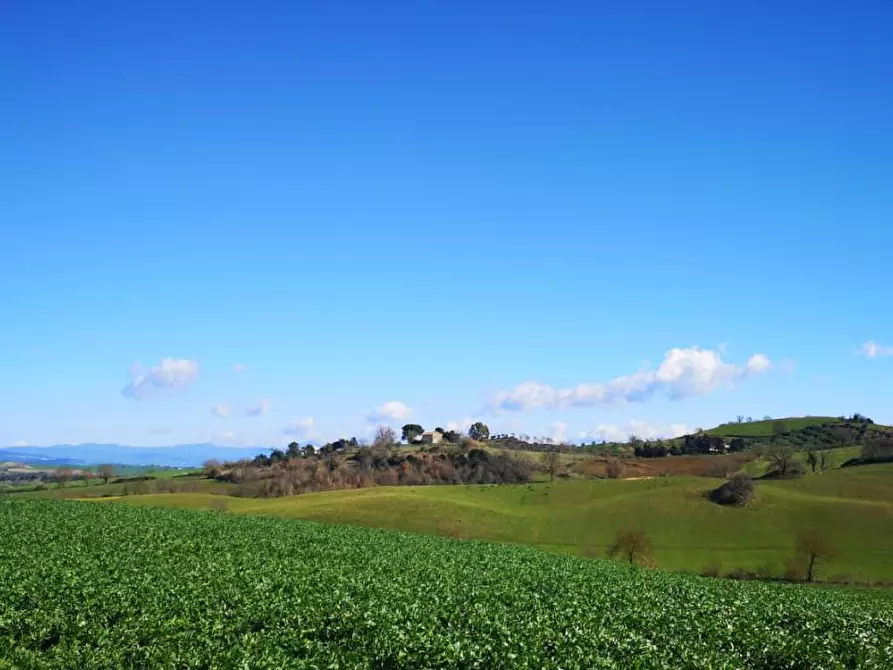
[180, 455]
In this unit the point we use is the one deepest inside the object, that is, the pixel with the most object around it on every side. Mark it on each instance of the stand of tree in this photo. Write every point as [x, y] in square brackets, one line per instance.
[372, 466]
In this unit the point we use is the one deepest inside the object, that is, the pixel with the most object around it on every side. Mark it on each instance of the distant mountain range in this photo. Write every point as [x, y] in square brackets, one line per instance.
[180, 455]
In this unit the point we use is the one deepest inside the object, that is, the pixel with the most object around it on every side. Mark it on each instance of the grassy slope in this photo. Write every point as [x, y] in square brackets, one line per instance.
[765, 428]
[854, 506]
[836, 458]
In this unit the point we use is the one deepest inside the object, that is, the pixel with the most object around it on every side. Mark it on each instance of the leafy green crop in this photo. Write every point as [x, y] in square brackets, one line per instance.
[85, 585]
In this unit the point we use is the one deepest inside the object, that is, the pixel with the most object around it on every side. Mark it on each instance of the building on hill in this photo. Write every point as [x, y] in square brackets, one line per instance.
[431, 437]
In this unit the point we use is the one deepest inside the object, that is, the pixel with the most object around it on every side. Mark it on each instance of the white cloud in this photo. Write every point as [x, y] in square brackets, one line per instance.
[300, 428]
[21, 443]
[641, 429]
[173, 374]
[259, 409]
[221, 411]
[226, 437]
[683, 373]
[559, 432]
[238, 367]
[872, 349]
[460, 426]
[389, 411]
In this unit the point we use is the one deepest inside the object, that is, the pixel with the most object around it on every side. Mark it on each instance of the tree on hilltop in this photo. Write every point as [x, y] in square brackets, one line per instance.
[411, 432]
[385, 436]
[479, 431]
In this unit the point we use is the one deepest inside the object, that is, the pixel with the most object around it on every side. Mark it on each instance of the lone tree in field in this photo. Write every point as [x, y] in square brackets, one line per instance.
[813, 547]
[106, 472]
[385, 436]
[812, 460]
[824, 461]
[63, 476]
[632, 546]
[551, 459]
[479, 432]
[412, 432]
[782, 463]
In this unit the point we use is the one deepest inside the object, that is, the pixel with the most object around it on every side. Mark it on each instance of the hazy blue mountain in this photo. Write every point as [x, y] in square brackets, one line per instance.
[180, 455]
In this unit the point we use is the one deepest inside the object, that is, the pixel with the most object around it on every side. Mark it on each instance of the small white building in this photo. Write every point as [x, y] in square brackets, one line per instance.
[431, 437]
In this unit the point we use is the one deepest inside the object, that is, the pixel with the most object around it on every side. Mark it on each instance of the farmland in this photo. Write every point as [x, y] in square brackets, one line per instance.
[853, 506]
[122, 586]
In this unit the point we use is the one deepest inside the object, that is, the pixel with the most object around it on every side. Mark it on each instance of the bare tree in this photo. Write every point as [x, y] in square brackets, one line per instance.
[552, 459]
[211, 468]
[823, 461]
[63, 476]
[782, 462]
[631, 545]
[385, 436]
[812, 547]
[106, 472]
[812, 460]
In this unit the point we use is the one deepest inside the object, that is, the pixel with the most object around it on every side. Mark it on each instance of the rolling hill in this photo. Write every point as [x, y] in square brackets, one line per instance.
[854, 506]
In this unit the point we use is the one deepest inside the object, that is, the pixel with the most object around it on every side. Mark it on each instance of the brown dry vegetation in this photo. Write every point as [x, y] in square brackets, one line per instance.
[375, 466]
[696, 466]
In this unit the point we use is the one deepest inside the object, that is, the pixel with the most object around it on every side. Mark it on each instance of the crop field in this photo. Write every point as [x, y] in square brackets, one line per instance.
[84, 585]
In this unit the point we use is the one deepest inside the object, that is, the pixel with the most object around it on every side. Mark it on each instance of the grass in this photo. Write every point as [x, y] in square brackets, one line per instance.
[161, 485]
[854, 506]
[767, 428]
[836, 457]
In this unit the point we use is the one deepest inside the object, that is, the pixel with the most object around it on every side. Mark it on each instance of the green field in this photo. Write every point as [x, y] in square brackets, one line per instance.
[767, 428]
[853, 506]
[117, 586]
[836, 458]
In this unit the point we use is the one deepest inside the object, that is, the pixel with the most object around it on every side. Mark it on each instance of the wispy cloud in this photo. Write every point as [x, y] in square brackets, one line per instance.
[159, 430]
[641, 429]
[559, 432]
[259, 409]
[171, 375]
[389, 411]
[683, 373]
[301, 428]
[21, 443]
[872, 349]
[221, 411]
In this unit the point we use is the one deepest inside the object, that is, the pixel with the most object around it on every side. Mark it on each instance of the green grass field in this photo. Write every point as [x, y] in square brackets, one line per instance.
[767, 428]
[836, 458]
[854, 506]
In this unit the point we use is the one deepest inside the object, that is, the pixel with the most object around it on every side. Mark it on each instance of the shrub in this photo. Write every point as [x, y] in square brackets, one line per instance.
[737, 491]
[613, 468]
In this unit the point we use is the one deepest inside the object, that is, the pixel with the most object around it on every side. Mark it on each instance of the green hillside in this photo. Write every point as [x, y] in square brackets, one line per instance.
[853, 506]
[768, 427]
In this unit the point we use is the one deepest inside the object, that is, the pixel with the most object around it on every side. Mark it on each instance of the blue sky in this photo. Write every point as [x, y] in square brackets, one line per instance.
[464, 211]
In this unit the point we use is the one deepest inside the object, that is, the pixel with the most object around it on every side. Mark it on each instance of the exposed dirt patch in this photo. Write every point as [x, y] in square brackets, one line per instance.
[693, 466]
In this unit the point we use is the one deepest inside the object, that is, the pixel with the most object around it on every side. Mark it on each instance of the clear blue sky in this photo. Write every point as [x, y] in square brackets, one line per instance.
[434, 203]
